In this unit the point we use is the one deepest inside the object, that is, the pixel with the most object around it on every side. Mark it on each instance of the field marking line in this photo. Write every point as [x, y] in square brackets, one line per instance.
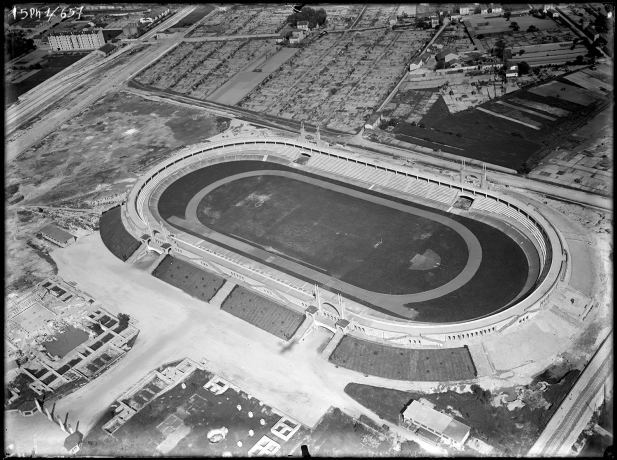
[526, 110]
[507, 118]
[392, 301]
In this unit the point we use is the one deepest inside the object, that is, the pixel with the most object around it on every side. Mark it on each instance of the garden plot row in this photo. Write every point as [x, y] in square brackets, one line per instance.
[242, 22]
[278, 92]
[529, 38]
[337, 83]
[264, 22]
[196, 72]
[341, 17]
[228, 68]
[378, 81]
[163, 73]
[376, 16]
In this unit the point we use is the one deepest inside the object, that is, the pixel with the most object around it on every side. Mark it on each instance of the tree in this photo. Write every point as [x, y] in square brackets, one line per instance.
[532, 28]
[507, 15]
[523, 68]
[513, 24]
[602, 23]
[16, 45]
[500, 46]
[314, 17]
[123, 320]
[441, 65]
[477, 10]
[533, 11]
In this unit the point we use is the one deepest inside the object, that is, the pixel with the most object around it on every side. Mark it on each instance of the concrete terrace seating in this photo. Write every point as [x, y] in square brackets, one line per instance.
[487, 204]
[372, 175]
[442, 194]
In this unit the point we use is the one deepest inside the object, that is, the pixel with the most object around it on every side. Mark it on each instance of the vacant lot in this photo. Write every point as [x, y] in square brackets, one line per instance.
[510, 430]
[263, 313]
[431, 365]
[119, 242]
[118, 137]
[196, 282]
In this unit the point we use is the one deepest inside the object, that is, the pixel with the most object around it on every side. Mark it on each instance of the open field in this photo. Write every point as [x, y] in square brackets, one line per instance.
[566, 91]
[507, 142]
[429, 365]
[105, 146]
[263, 313]
[476, 295]
[198, 283]
[119, 242]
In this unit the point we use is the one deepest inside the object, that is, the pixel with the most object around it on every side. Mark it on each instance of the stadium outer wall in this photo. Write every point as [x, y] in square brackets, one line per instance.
[325, 308]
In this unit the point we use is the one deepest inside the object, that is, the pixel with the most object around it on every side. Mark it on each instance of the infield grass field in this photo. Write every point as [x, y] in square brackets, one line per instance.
[307, 225]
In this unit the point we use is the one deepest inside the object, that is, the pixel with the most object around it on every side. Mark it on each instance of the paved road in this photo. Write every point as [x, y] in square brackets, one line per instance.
[168, 22]
[576, 404]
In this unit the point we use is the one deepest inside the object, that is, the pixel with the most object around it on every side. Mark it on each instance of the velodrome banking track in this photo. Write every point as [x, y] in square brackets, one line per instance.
[505, 278]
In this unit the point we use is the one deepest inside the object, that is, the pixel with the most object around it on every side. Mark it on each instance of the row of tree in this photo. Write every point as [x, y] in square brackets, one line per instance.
[15, 44]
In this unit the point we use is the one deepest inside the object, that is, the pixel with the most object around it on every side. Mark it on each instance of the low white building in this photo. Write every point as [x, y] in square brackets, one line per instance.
[296, 37]
[434, 425]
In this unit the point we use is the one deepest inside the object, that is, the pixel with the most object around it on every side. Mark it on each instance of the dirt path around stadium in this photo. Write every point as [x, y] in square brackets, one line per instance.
[394, 303]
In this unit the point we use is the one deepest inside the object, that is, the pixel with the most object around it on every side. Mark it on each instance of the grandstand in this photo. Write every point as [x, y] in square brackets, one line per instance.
[367, 174]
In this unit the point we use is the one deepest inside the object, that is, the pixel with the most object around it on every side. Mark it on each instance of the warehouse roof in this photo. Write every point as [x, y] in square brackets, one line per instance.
[436, 421]
[56, 233]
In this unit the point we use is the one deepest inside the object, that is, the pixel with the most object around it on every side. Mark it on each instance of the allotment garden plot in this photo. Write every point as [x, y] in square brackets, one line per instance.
[337, 81]
[245, 21]
[199, 69]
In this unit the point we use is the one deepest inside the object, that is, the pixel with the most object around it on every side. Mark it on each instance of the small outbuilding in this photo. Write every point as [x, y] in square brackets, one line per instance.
[28, 408]
[441, 426]
[106, 49]
[73, 442]
[58, 236]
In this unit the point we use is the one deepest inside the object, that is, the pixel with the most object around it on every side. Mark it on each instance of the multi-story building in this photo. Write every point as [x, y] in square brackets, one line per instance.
[68, 41]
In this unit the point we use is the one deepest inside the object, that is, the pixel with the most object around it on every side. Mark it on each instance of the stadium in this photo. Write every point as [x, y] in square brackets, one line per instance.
[363, 247]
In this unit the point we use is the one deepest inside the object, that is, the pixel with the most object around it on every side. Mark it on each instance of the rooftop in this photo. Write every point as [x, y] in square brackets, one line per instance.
[107, 48]
[56, 233]
[56, 34]
[436, 421]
